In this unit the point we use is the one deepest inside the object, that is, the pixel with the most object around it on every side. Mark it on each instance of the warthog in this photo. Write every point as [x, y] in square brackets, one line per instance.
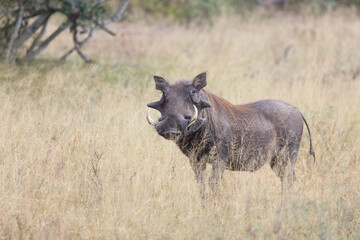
[209, 129]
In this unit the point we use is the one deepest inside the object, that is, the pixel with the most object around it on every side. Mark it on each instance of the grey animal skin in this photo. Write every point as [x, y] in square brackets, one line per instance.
[209, 129]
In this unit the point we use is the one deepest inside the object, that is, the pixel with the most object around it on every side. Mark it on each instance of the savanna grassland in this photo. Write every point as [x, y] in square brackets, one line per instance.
[79, 161]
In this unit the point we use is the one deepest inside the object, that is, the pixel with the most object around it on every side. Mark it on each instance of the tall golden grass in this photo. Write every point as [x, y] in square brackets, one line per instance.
[79, 161]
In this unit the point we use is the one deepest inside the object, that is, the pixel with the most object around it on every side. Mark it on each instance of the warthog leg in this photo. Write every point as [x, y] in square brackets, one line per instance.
[283, 165]
[218, 168]
[199, 168]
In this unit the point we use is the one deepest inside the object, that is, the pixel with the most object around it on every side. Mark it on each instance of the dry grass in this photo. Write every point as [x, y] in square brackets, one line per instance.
[78, 160]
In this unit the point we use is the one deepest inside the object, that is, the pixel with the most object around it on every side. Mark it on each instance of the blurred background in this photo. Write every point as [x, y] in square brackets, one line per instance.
[24, 23]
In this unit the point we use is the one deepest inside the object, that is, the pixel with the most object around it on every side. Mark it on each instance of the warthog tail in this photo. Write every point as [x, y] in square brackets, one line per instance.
[311, 151]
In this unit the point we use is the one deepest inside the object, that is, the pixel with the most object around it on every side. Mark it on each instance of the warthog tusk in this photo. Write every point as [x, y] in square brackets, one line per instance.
[194, 118]
[150, 121]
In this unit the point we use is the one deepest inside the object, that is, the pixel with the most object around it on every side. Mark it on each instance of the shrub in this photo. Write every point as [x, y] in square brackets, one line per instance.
[82, 17]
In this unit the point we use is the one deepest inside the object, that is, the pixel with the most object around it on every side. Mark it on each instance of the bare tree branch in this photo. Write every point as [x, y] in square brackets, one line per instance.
[61, 28]
[119, 14]
[37, 39]
[16, 29]
[29, 31]
[82, 55]
[77, 48]
[80, 44]
[37, 13]
[101, 26]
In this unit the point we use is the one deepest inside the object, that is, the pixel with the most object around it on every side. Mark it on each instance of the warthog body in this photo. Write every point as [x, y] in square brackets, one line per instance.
[208, 129]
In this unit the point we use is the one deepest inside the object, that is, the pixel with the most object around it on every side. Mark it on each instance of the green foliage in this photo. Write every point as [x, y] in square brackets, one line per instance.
[6, 18]
[240, 6]
[183, 11]
[82, 14]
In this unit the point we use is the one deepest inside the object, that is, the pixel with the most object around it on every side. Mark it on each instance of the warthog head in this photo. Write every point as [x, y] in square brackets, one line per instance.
[179, 105]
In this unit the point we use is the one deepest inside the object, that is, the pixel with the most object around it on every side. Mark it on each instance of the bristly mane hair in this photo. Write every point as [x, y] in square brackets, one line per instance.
[220, 103]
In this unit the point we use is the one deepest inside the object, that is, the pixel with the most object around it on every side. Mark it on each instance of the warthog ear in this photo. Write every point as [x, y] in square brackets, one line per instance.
[157, 104]
[200, 81]
[161, 83]
[154, 105]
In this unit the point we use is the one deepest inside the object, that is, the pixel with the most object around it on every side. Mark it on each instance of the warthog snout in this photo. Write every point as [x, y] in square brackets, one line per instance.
[172, 124]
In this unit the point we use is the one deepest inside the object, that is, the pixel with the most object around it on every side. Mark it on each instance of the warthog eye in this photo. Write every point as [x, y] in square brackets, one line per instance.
[187, 117]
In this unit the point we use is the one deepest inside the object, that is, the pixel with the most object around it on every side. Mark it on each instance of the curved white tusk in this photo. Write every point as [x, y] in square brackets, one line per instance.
[150, 121]
[194, 118]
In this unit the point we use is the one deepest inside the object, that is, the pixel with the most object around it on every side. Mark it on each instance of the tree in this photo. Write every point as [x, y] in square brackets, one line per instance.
[27, 20]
